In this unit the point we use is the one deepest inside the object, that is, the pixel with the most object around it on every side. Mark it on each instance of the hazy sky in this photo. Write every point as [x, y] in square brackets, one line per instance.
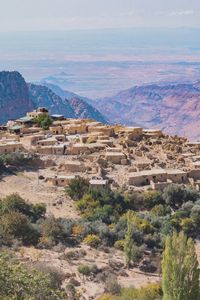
[23, 15]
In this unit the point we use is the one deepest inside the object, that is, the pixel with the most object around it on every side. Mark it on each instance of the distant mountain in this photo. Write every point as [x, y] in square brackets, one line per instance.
[81, 106]
[14, 96]
[175, 108]
[17, 98]
[65, 94]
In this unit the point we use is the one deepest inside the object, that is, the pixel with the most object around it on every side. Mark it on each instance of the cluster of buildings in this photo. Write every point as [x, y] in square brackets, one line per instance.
[114, 155]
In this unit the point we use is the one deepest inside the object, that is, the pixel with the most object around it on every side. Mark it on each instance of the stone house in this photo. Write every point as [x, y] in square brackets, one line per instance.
[177, 176]
[58, 149]
[36, 113]
[115, 157]
[32, 140]
[80, 148]
[60, 180]
[10, 147]
[130, 132]
[56, 117]
[194, 174]
[145, 177]
[107, 142]
[56, 129]
[194, 145]
[75, 128]
[98, 183]
[153, 132]
[107, 130]
[47, 142]
[77, 149]
[73, 167]
[148, 177]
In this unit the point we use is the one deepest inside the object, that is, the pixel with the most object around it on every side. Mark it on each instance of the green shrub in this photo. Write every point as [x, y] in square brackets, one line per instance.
[175, 195]
[92, 240]
[160, 210]
[152, 291]
[119, 244]
[15, 225]
[106, 297]
[17, 282]
[84, 270]
[152, 198]
[77, 188]
[188, 226]
[15, 203]
[111, 285]
[52, 231]
[44, 121]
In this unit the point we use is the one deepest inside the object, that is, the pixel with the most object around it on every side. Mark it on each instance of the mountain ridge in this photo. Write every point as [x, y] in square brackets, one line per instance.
[18, 97]
[174, 108]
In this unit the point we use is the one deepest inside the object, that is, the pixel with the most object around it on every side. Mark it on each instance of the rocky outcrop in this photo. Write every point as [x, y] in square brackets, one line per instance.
[63, 102]
[14, 96]
[84, 110]
[81, 106]
[17, 98]
[42, 96]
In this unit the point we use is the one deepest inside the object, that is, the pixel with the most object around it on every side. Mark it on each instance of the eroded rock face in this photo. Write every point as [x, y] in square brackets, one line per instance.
[84, 110]
[14, 96]
[174, 108]
[42, 96]
[17, 98]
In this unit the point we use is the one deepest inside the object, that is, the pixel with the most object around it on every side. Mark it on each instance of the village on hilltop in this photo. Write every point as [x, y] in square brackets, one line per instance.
[107, 155]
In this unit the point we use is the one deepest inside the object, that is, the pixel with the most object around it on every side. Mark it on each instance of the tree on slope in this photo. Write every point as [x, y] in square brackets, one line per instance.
[180, 269]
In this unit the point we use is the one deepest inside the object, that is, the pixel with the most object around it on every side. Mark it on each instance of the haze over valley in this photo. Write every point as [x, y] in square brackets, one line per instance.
[99, 63]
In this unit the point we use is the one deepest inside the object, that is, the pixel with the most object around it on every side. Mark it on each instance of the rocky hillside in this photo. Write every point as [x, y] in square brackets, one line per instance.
[14, 96]
[17, 98]
[42, 96]
[175, 108]
[81, 106]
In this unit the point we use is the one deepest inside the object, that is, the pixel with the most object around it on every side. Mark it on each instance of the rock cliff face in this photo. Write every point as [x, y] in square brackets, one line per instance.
[63, 102]
[17, 98]
[84, 110]
[42, 96]
[175, 108]
[14, 96]
[81, 106]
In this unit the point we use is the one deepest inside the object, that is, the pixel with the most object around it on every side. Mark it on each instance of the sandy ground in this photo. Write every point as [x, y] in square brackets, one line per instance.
[91, 289]
[27, 185]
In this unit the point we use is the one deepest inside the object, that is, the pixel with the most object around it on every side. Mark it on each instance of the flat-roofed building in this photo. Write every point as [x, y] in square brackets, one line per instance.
[145, 177]
[115, 157]
[58, 149]
[98, 183]
[194, 145]
[10, 147]
[56, 129]
[75, 128]
[73, 166]
[59, 180]
[37, 112]
[47, 142]
[194, 174]
[153, 132]
[56, 117]
[177, 176]
[130, 132]
[107, 130]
